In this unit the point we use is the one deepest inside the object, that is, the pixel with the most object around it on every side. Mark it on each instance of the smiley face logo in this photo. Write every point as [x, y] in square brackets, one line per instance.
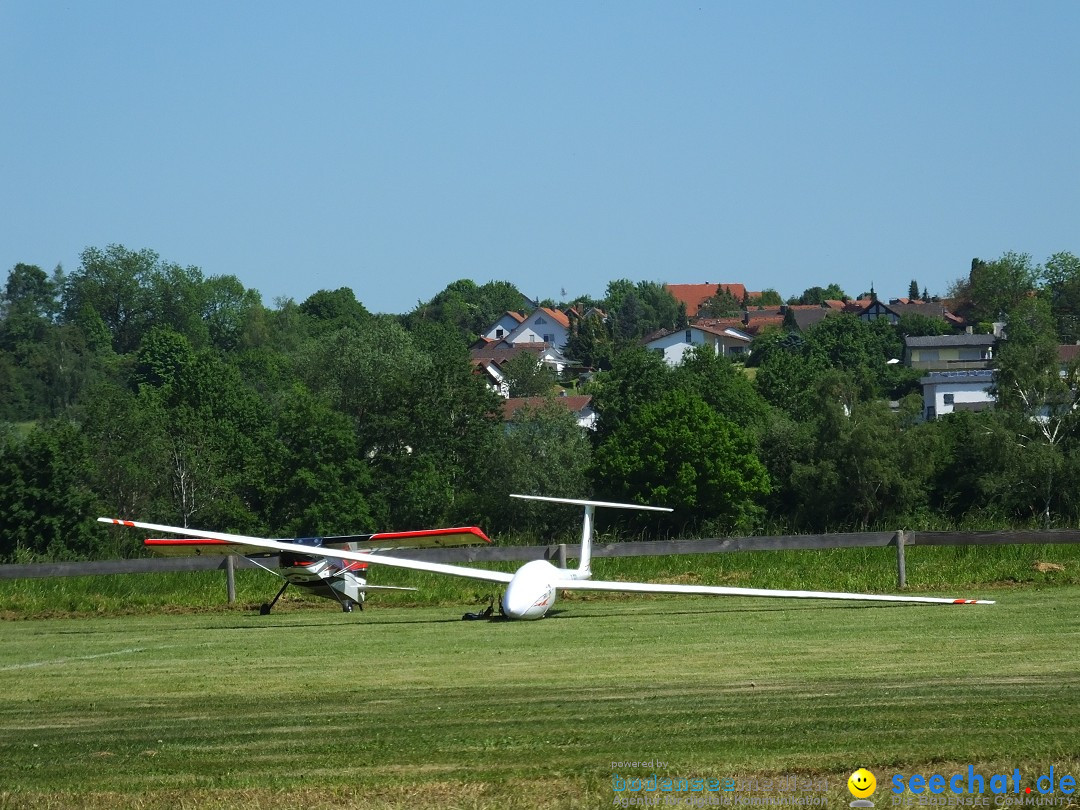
[862, 783]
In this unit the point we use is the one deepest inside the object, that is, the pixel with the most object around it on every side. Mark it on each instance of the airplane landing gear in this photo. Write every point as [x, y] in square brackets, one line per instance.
[266, 607]
[486, 613]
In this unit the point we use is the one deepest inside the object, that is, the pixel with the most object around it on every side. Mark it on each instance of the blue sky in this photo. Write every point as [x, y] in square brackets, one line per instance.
[396, 147]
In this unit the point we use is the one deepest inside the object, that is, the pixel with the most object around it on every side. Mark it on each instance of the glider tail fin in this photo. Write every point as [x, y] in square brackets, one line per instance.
[584, 569]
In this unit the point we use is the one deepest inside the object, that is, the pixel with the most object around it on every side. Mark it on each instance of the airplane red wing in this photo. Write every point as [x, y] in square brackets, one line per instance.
[428, 538]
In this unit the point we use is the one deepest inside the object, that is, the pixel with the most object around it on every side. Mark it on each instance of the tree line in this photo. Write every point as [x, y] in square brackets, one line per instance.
[135, 387]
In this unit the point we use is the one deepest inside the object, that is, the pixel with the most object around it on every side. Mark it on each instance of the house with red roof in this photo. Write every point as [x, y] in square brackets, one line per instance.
[544, 325]
[693, 296]
[730, 341]
[579, 406]
[489, 357]
[507, 323]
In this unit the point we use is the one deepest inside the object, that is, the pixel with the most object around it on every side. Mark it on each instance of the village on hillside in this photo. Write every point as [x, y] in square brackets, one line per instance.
[955, 361]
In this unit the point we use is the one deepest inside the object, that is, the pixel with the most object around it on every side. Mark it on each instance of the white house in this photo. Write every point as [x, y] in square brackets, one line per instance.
[948, 391]
[544, 325]
[489, 358]
[507, 323]
[674, 344]
[950, 352]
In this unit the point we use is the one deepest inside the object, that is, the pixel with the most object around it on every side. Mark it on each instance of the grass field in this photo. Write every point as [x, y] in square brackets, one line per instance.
[959, 571]
[410, 707]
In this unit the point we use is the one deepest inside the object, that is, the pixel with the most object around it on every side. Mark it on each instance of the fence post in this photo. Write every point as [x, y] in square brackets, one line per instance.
[562, 555]
[230, 577]
[901, 568]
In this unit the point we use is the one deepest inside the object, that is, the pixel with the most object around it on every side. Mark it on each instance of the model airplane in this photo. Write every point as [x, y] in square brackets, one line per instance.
[532, 589]
[343, 581]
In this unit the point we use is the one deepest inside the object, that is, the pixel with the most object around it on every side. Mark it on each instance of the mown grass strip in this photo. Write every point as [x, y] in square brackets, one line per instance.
[412, 707]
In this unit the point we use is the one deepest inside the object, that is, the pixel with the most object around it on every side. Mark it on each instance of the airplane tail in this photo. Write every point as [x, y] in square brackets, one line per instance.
[584, 569]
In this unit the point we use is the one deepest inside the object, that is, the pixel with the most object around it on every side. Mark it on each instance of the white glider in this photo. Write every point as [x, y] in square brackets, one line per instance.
[532, 589]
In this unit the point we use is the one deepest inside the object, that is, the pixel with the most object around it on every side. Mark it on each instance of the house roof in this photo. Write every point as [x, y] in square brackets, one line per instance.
[555, 315]
[946, 341]
[728, 328]
[771, 312]
[805, 317]
[1067, 352]
[694, 295]
[756, 325]
[930, 309]
[502, 351]
[721, 323]
[575, 404]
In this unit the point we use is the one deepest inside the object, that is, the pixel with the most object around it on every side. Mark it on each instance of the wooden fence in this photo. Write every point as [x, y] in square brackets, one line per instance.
[900, 540]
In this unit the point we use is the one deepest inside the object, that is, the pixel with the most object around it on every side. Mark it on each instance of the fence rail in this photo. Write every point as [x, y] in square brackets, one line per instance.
[652, 548]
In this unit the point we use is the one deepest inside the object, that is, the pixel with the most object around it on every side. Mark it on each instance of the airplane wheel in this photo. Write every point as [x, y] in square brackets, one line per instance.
[347, 607]
[264, 609]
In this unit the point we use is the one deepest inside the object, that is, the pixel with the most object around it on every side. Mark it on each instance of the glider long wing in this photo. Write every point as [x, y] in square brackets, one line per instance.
[715, 590]
[341, 554]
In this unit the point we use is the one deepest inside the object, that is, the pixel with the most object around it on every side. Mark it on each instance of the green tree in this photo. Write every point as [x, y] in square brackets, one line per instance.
[127, 437]
[677, 451]
[768, 298]
[992, 289]
[721, 305]
[320, 479]
[851, 464]
[27, 306]
[114, 286]
[1061, 277]
[589, 342]
[722, 385]
[785, 375]
[1038, 402]
[636, 310]
[45, 503]
[637, 376]
[914, 324]
[819, 295]
[337, 309]
[468, 308]
[527, 376]
[541, 451]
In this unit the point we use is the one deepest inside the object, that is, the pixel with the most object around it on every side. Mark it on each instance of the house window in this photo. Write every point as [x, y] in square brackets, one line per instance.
[540, 319]
[499, 333]
[689, 337]
[949, 399]
[549, 339]
[930, 413]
